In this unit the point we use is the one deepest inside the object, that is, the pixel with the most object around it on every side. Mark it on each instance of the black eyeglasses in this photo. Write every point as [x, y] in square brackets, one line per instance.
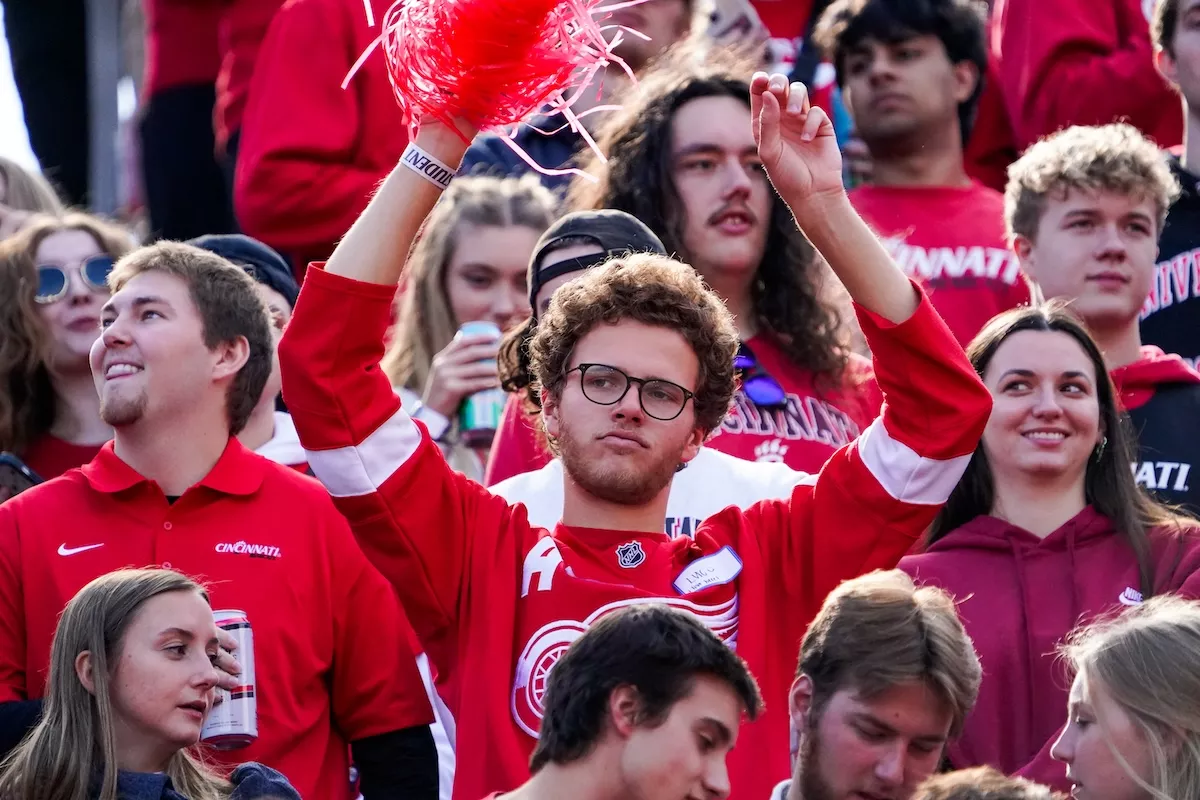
[607, 386]
[54, 279]
[760, 387]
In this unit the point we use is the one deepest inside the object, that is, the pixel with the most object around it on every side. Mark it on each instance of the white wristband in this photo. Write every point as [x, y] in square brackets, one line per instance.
[427, 166]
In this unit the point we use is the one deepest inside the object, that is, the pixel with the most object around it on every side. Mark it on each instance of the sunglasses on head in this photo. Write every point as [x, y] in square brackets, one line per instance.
[758, 385]
[55, 279]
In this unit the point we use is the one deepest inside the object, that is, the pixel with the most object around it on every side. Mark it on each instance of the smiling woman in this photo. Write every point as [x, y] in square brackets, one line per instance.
[132, 677]
[1046, 517]
[52, 284]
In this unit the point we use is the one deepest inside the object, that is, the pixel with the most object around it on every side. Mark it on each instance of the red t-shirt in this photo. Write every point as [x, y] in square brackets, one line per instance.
[951, 240]
[333, 660]
[803, 435]
[50, 456]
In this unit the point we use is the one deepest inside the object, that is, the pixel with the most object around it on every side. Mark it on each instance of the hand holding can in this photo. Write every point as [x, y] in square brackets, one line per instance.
[480, 413]
[233, 721]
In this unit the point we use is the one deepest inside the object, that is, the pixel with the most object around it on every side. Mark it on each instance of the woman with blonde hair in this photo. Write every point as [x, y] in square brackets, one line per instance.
[1133, 726]
[22, 195]
[53, 277]
[132, 678]
[469, 265]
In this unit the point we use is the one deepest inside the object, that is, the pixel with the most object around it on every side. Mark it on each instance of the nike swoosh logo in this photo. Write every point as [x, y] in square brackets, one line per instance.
[63, 550]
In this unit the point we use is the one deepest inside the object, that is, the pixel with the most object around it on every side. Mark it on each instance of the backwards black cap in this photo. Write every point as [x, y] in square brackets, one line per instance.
[614, 232]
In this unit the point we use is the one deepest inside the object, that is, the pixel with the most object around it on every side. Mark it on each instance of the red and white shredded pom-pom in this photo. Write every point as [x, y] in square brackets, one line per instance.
[494, 63]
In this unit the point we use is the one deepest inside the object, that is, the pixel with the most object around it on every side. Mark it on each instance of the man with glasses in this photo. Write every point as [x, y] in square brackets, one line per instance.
[634, 360]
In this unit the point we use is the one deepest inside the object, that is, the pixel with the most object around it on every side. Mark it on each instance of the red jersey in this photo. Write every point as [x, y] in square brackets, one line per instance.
[496, 601]
[50, 456]
[332, 659]
[312, 153]
[952, 240]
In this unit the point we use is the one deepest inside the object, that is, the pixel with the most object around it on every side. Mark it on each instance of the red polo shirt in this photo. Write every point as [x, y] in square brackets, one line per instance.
[331, 659]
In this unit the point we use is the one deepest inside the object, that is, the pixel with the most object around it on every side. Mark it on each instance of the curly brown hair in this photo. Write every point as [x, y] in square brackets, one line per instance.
[1114, 158]
[652, 290]
[787, 293]
[27, 402]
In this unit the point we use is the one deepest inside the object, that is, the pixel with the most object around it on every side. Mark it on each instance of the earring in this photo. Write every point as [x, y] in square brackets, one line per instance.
[1100, 448]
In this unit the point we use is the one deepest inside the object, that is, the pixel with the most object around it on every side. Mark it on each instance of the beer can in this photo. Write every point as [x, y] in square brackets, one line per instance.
[479, 415]
[233, 723]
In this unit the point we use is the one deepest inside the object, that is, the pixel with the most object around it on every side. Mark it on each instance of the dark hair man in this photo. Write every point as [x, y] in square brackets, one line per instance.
[911, 72]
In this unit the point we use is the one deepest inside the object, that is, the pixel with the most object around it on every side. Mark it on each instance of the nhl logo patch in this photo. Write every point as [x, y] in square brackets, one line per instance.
[630, 555]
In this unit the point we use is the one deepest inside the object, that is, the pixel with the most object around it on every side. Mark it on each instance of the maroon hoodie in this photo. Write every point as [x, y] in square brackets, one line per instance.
[1162, 395]
[1018, 597]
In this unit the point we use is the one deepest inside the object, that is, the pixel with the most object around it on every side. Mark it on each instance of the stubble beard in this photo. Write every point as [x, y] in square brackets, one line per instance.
[628, 486]
[120, 411]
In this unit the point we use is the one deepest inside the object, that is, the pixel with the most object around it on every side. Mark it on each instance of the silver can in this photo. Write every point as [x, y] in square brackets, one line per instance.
[233, 723]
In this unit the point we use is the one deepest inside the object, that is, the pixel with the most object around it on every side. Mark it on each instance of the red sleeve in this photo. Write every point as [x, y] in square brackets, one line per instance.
[302, 178]
[1080, 62]
[876, 496]
[376, 687]
[516, 448]
[12, 610]
[418, 521]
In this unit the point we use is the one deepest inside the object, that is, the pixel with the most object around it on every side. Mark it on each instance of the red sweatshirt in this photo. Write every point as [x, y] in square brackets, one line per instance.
[244, 24]
[495, 601]
[181, 44]
[1162, 395]
[952, 240]
[1072, 62]
[311, 154]
[815, 422]
[1018, 597]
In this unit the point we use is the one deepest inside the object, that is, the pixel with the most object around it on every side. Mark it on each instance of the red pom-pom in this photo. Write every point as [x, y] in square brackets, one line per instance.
[493, 63]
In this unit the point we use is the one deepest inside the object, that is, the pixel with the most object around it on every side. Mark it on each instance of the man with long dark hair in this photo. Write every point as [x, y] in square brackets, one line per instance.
[682, 159]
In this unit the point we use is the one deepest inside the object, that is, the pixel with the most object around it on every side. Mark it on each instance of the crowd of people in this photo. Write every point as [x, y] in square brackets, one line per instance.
[828, 390]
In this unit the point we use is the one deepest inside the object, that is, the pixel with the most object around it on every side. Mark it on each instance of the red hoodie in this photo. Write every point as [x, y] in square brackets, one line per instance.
[244, 24]
[1162, 394]
[181, 45]
[312, 153]
[1060, 62]
[1018, 597]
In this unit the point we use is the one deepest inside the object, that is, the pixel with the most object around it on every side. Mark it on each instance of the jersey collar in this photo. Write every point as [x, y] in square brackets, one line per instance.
[237, 472]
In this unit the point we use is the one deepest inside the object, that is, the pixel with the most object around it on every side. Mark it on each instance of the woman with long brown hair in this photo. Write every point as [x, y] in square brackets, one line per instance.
[1046, 528]
[52, 286]
[132, 678]
[468, 265]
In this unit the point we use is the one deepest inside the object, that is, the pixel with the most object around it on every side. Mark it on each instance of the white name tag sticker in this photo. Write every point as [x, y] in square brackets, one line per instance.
[711, 570]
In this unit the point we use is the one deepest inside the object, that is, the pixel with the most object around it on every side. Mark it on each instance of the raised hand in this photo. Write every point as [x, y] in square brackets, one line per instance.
[795, 139]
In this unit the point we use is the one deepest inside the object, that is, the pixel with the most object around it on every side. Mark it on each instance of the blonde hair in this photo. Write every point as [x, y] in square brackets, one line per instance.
[1114, 158]
[27, 191]
[878, 631]
[1145, 660]
[27, 400]
[425, 323]
[75, 741]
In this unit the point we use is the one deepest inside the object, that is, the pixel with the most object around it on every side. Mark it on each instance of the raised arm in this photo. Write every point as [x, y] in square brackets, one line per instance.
[420, 523]
[875, 496]
[799, 149]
